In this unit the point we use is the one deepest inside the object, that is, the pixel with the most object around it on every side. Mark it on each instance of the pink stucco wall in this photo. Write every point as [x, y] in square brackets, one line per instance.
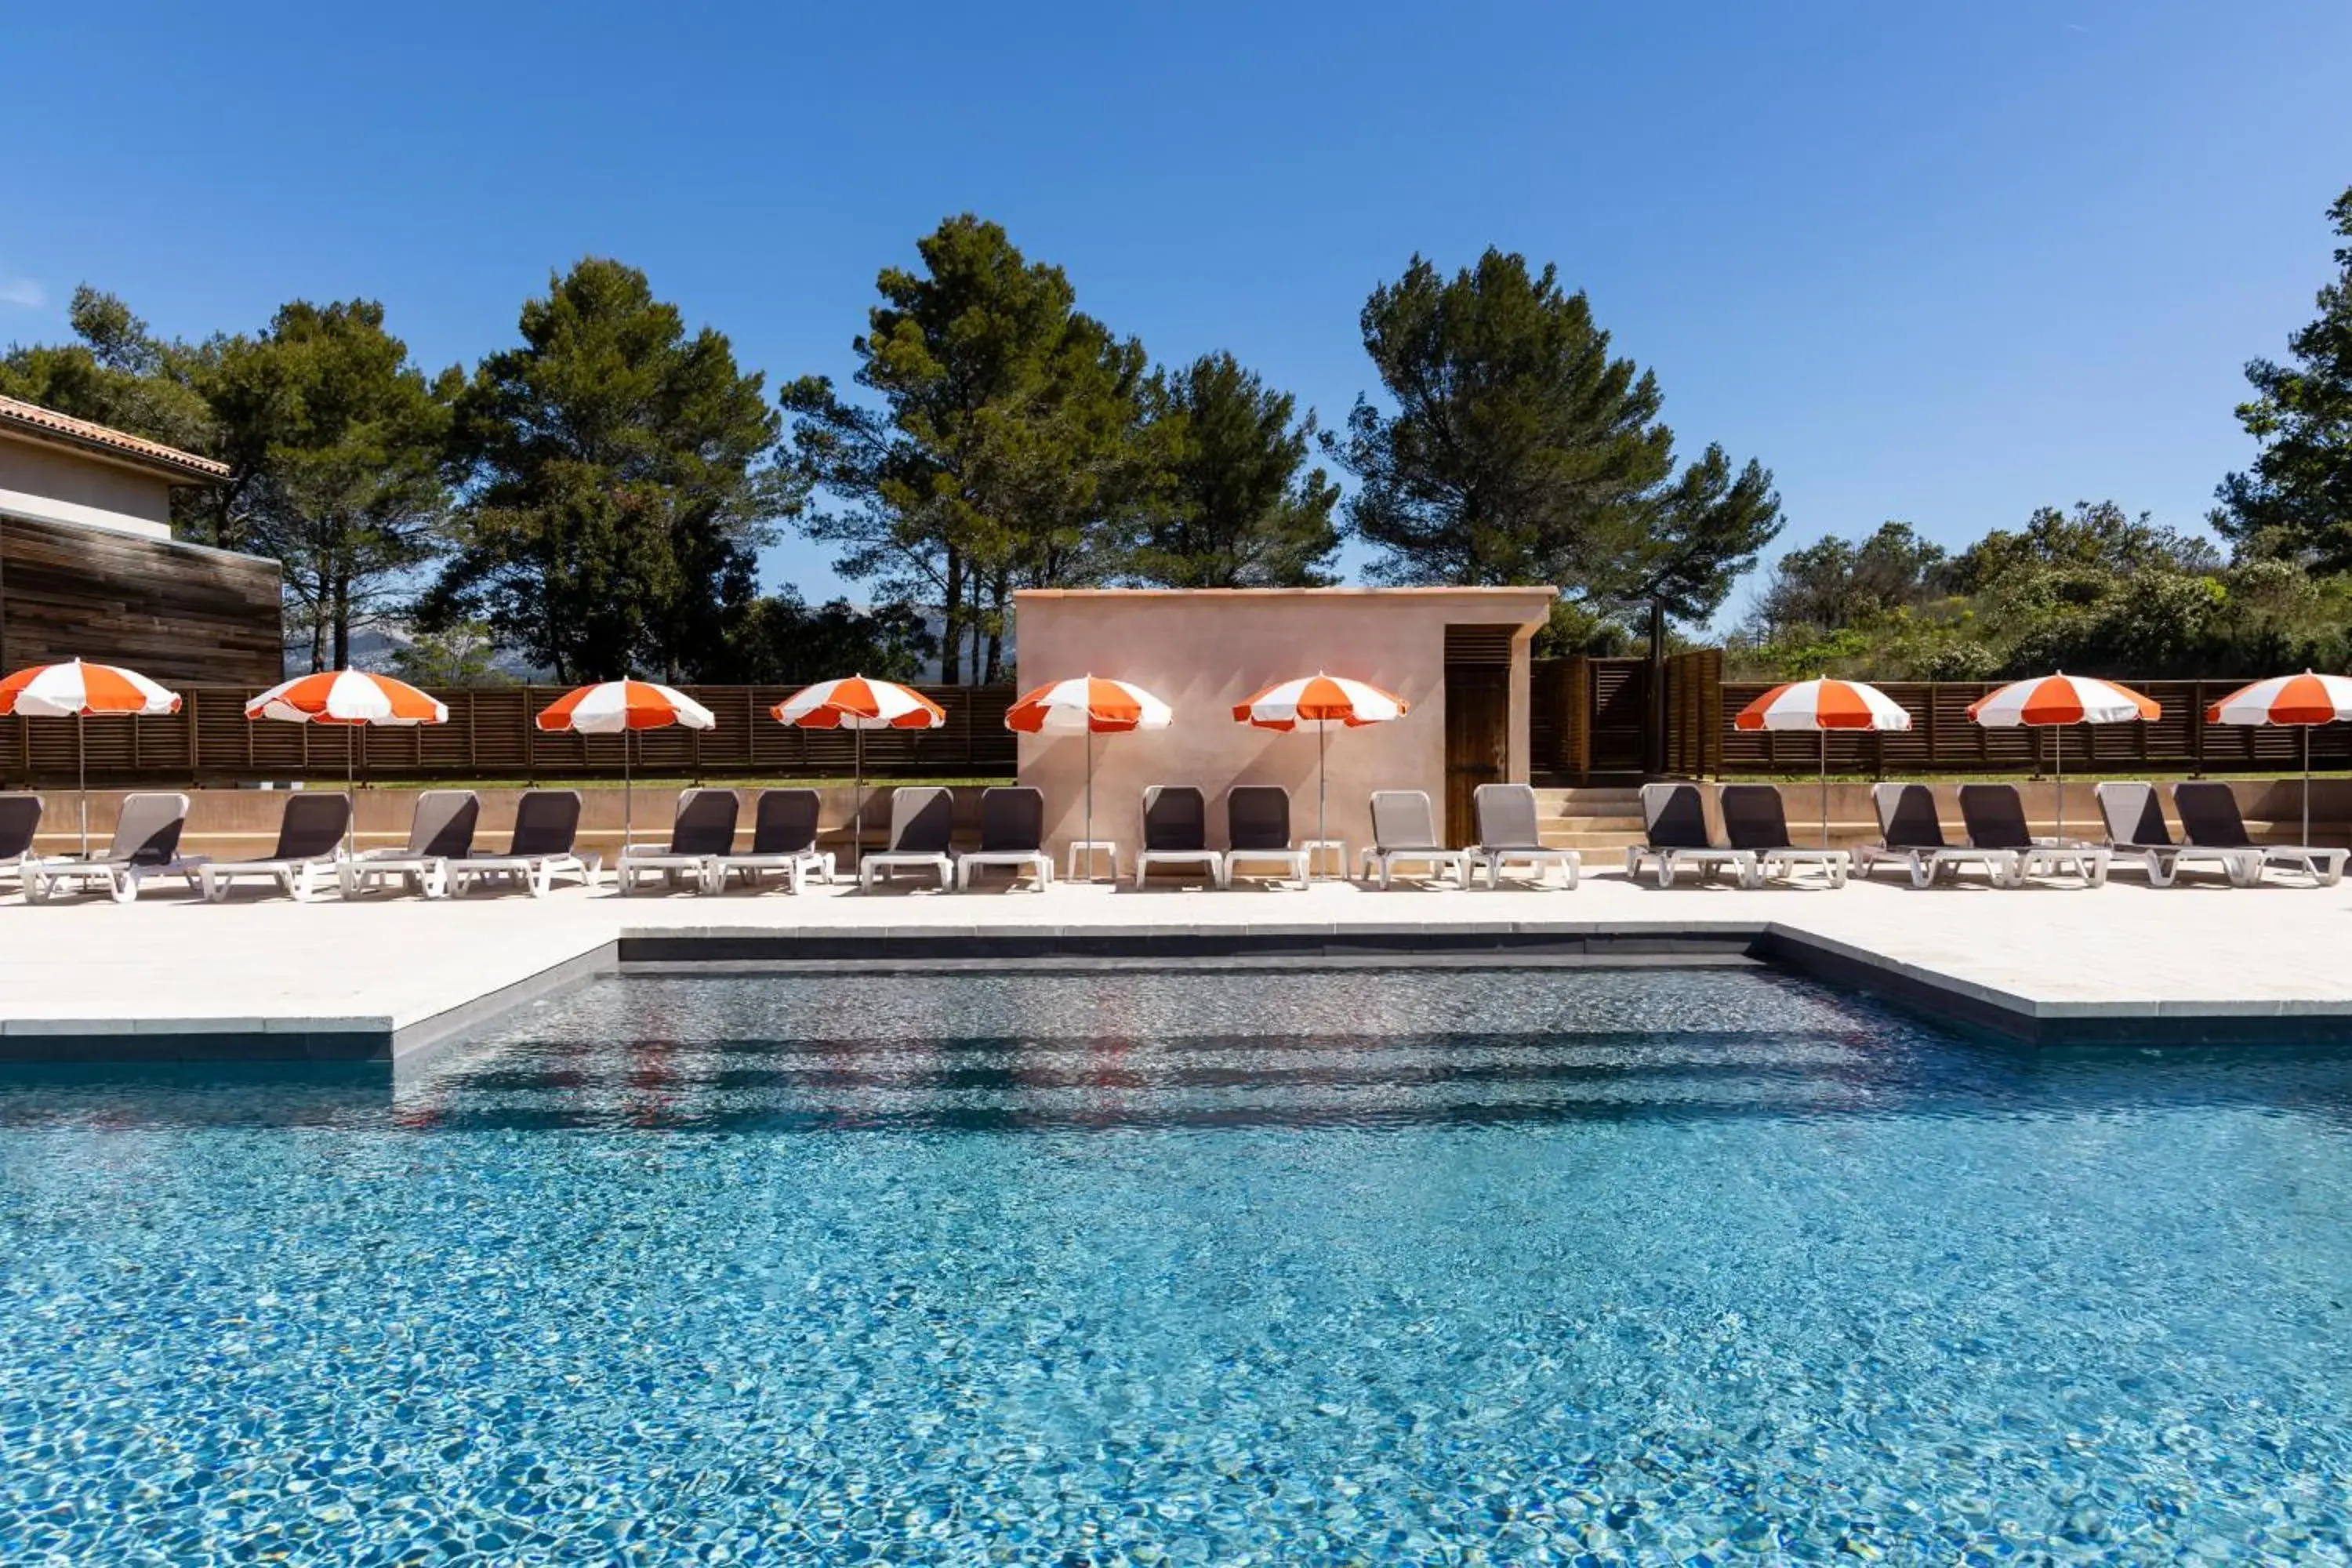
[1203, 651]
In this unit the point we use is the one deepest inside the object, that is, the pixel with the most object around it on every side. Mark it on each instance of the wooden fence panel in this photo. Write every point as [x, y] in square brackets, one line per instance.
[492, 735]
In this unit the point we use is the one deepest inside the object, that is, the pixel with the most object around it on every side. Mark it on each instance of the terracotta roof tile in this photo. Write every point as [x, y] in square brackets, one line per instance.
[31, 418]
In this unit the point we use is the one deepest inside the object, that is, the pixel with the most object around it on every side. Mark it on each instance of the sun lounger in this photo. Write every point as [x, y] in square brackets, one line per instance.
[783, 840]
[922, 826]
[540, 848]
[1911, 834]
[1995, 817]
[1012, 835]
[2137, 835]
[1176, 833]
[1404, 833]
[309, 842]
[440, 829]
[1675, 835]
[20, 820]
[1257, 832]
[1755, 819]
[146, 845]
[2210, 819]
[1509, 833]
[702, 830]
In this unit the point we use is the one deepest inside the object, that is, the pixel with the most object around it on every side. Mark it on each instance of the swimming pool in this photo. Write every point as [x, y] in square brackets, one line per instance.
[1512, 1267]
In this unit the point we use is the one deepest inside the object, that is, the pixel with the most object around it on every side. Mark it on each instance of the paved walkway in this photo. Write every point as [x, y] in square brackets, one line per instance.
[169, 975]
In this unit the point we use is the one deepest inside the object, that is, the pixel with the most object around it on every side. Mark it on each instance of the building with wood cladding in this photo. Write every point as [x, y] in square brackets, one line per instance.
[89, 567]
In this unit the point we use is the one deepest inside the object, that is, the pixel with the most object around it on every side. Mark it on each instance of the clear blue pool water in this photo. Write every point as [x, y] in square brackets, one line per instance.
[1564, 1267]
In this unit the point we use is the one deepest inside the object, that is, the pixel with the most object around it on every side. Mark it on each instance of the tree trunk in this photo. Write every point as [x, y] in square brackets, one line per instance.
[952, 620]
[998, 592]
[342, 621]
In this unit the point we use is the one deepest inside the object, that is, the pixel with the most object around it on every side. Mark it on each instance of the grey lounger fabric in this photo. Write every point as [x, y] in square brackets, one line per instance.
[1011, 835]
[1510, 832]
[783, 840]
[1756, 819]
[1404, 833]
[1911, 835]
[1257, 833]
[540, 848]
[922, 826]
[2136, 835]
[309, 843]
[702, 829]
[146, 845]
[1176, 833]
[1674, 827]
[440, 829]
[20, 820]
[1995, 817]
[2210, 819]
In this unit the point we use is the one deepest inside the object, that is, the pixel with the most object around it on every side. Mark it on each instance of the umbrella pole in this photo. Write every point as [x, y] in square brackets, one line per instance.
[1322, 779]
[1090, 805]
[2306, 784]
[81, 784]
[628, 790]
[857, 794]
[2058, 750]
[1825, 788]
[350, 796]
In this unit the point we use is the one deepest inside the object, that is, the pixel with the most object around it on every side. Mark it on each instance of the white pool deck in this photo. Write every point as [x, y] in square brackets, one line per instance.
[171, 976]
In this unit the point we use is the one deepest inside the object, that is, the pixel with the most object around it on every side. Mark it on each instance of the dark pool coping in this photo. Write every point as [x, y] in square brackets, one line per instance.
[382, 1044]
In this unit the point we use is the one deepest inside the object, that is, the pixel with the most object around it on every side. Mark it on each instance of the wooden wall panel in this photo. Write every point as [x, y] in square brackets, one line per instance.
[173, 611]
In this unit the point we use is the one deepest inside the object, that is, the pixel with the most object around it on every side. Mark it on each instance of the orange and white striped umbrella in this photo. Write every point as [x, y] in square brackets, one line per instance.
[347, 697]
[859, 704]
[79, 691]
[611, 707]
[2305, 699]
[2063, 699]
[2301, 701]
[1823, 704]
[76, 690]
[1087, 705]
[618, 708]
[1320, 700]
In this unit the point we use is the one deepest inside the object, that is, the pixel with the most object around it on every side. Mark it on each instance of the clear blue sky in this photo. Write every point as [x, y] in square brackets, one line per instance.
[1935, 262]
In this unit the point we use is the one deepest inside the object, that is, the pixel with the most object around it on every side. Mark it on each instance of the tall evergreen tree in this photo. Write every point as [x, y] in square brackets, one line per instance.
[1003, 451]
[2298, 501]
[353, 497]
[1521, 451]
[614, 485]
[1238, 506]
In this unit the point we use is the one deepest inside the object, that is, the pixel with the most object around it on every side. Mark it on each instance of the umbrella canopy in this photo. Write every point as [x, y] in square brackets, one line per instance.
[2062, 699]
[1087, 705]
[1320, 700]
[859, 704]
[347, 697]
[613, 707]
[1823, 705]
[2301, 701]
[2305, 699]
[618, 708]
[76, 690]
[73, 689]
[855, 702]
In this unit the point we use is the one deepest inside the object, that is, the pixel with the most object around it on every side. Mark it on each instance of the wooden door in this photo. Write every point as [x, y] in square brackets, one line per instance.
[1477, 742]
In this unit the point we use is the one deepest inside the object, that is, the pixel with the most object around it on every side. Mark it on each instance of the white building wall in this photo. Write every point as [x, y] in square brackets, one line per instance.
[45, 483]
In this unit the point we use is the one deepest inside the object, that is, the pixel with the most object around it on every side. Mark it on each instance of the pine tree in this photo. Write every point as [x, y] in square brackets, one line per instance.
[1237, 508]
